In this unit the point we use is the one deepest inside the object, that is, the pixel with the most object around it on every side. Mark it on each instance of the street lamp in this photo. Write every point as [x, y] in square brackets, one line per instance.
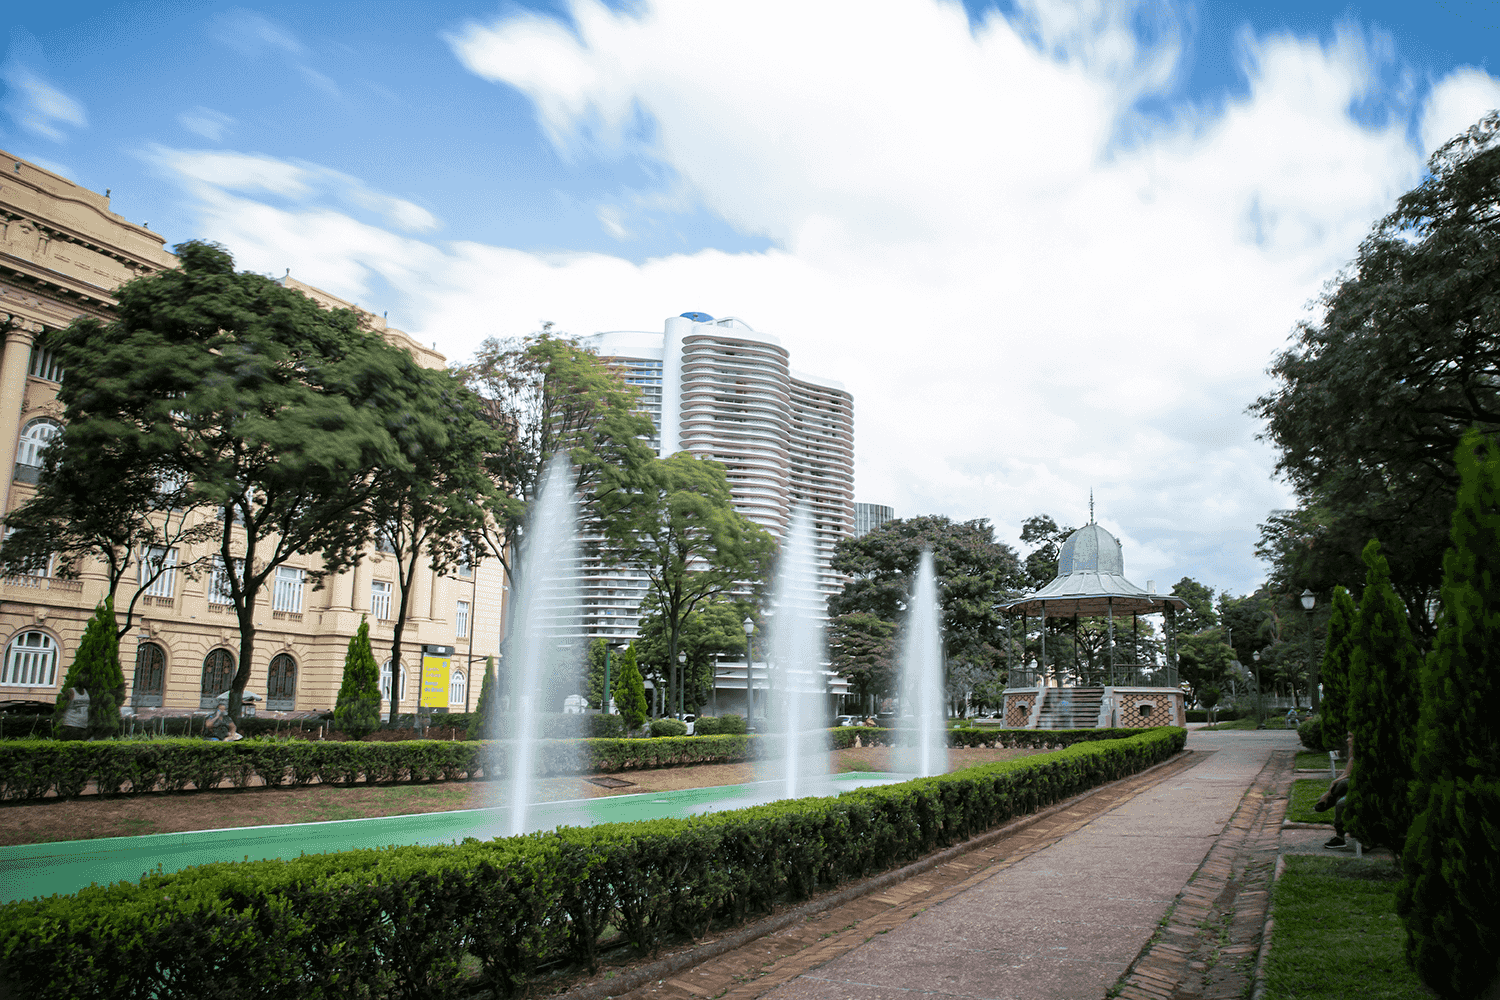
[1259, 710]
[681, 680]
[749, 675]
[1308, 600]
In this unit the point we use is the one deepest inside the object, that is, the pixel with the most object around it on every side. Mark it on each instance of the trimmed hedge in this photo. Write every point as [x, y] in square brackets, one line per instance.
[1221, 715]
[403, 921]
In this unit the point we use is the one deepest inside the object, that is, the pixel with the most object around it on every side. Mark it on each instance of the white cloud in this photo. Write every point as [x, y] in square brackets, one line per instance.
[30, 100]
[1457, 101]
[1026, 297]
[252, 34]
[207, 122]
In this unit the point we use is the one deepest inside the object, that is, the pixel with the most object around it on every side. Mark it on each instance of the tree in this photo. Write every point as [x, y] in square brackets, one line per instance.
[1382, 710]
[432, 509]
[1041, 563]
[678, 525]
[974, 572]
[544, 395]
[862, 649]
[486, 722]
[712, 630]
[1447, 898]
[96, 669]
[357, 711]
[1334, 672]
[1373, 396]
[1199, 613]
[266, 406]
[631, 697]
[1203, 660]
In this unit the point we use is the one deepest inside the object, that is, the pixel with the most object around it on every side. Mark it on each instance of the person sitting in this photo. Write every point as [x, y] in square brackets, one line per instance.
[220, 726]
[75, 720]
[1337, 797]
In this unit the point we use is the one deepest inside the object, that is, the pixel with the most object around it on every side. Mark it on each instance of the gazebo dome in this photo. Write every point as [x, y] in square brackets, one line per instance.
[1091, 549]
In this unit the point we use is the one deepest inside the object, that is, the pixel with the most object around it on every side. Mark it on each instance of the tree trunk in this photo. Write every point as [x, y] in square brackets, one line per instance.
[247, 652]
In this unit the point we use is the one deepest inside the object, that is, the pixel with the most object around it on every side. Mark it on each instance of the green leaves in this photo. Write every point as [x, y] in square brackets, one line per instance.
[357, 710]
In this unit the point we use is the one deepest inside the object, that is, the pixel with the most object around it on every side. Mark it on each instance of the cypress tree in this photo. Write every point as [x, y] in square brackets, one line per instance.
[1382, 710]
[1451, 861]
[96, 669]
[630, 694]
[1334, 671]
[357, 711]
[485, 725]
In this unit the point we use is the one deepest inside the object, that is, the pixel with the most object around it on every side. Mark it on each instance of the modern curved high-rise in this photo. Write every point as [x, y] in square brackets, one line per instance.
[722, 390]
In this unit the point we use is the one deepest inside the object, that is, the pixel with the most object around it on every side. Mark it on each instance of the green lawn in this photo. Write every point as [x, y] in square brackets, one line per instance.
[1306, 791]
[1337, 934]
[1315, 758]
[1236, 724]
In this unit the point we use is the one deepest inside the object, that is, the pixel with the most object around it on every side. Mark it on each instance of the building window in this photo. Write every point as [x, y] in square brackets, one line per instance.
[380, 599]
[35, 437]
[44, 362]
[30, 661]
[219, 590]
[385, 683]
[385, 539]
[288, 594]
[466, 563]
[45, 569]
[157, 560]
[218, 673]
[281, 684]
[458, 688]
[150, 680]
[461, 619]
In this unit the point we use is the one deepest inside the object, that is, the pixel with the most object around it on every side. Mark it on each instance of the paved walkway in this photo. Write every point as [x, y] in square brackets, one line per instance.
[1157, 885]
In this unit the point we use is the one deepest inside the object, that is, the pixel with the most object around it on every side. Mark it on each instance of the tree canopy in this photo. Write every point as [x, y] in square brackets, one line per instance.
[1373, 395]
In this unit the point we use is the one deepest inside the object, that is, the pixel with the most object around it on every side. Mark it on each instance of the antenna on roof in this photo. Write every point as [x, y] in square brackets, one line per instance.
[1091, 505]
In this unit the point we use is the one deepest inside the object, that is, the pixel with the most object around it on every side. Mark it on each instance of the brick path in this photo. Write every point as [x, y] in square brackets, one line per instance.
[1178, 859]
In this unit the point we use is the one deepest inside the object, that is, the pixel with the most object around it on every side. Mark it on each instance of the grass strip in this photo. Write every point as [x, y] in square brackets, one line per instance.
[1308, 759]
[1337, 934]
[1305, 792]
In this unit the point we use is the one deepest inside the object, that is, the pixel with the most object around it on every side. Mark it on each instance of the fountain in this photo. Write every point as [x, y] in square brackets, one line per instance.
[797, 762]
[923, 750]
[543, 630]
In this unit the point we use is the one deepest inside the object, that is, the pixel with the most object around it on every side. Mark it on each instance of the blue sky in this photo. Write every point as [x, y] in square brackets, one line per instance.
[1049, 246]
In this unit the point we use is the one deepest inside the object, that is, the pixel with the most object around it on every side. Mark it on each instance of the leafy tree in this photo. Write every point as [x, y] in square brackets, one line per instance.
[263, 404]
[432, 510]
[679, 526]
[631, 699]
[96, 669]
[545, 395]
[974, 572]
[712, 630]
[100, 500]
[1382, 710]
[1199, 613]
[1041, 563]
[1373, 396]
[486, 721]
[862, 649]
[1203, 661]
[1452, 879]
[1338, 651]
[357, 711]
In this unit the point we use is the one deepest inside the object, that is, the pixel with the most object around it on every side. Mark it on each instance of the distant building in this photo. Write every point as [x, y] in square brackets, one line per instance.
[62, 255]
[869, 516]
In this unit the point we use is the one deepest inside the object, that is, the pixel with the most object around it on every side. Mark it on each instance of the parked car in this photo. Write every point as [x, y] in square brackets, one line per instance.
[848, 720]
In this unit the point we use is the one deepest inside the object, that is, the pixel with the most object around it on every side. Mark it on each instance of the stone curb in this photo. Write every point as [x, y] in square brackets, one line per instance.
[698, 955]
[1259, 989]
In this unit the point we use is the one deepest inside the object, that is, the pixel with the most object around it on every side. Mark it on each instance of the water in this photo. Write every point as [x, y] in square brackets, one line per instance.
[923, 751]
[797, 761]
[543, 655]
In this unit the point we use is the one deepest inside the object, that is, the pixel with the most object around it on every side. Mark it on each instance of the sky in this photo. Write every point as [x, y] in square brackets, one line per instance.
[1050, 248]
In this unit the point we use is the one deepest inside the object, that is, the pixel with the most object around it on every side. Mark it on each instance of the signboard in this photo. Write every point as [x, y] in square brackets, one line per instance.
[437, 662]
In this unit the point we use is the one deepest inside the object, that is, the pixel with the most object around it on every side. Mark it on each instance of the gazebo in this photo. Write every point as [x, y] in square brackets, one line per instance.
[1090, 583]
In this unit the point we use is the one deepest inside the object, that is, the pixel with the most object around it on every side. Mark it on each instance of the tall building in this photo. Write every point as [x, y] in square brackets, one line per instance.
[869, 516]
[722, 390]
[62, 255]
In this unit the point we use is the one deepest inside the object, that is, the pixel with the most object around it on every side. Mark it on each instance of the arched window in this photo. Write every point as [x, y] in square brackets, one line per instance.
[30, 661]
[385, 683]
[150, 679]
[218, 671]
[35, 437]
[281, 684]
[458, 688]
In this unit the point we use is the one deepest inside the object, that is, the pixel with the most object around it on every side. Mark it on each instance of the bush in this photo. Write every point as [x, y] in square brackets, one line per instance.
[707, 725]
[732, 725]
[668, 727]
[357, 711]
[404, 921]
[1220, 715]
[1311, 732]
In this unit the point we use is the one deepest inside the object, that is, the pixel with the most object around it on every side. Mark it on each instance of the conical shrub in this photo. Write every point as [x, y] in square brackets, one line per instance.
[1334, 671]
[96, 669]
[486, 722]
[357, 711]
[630, 691]
[1449, 899]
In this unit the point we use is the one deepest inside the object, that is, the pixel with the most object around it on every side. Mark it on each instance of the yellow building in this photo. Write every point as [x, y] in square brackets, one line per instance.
[62, 253]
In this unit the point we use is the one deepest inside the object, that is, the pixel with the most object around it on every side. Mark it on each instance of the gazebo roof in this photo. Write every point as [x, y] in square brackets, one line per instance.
[1091, 581]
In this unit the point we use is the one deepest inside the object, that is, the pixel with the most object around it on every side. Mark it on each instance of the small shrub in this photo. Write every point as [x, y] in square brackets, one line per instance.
[668, 727]
[732, 725]
[707, 725]
[1311, 732]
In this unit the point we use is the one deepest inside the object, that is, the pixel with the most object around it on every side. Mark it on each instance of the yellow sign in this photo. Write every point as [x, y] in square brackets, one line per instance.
[435, 679]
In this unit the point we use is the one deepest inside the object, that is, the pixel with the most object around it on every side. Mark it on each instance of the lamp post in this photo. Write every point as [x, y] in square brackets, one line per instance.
[1308, 600]
[1259, 711]
[749, 675]
[714, 691]
[604, 706]
[681, 681]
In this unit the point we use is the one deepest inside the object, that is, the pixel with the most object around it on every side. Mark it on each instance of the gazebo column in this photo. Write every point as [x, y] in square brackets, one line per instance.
[1042, 661]
[1110, 607]
[1135, 638]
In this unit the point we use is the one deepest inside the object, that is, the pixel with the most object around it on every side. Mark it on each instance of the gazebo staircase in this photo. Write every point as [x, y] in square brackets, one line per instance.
[1070, 708]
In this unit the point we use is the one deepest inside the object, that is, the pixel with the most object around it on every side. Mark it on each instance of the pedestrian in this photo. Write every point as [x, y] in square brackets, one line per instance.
[220, 726]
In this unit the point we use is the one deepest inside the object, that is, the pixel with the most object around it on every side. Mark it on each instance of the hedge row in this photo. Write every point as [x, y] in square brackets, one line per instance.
[405, 921]
[30, 769]
[1035, 739]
